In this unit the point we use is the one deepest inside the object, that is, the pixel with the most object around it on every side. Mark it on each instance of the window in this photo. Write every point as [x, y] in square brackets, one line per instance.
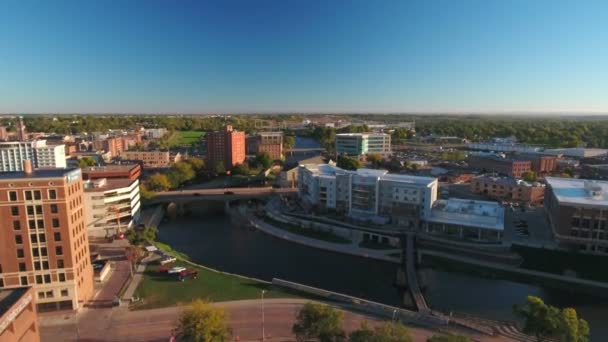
[45, 265]
[49, 294]
[40, 294]
[38, 210]
[36, 252]
[61, 277]
[59, 263]
[1, 282]
[28, 195]
[20, 253]
[47, 278]
[55, 223]
[37, 195]
[58, 250]
[52, 194]
[38, 279]
[42, 238]
[30, 210]
[34, 238]
[37, 266]
[15, 211]
[17, 225]
[22, 267]
[32, 224]
[40, 223]
[12, 196]
[24, 281]
[18, 239]
[54, 209]
[57, 236]
[64, 293]
[43, 251]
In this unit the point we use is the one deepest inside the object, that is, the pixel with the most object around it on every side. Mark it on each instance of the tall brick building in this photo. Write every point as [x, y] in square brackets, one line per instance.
[43, 238]
[271, 143]
[227, 146]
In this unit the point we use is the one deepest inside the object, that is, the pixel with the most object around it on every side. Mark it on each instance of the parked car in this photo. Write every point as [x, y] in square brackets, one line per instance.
[167, 259]
[172, 270]
[187, 274]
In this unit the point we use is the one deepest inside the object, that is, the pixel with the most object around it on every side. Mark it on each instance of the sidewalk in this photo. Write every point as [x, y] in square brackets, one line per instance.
[138, 275]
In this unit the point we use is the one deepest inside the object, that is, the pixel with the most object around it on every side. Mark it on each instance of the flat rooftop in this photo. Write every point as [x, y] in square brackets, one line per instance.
[8, 298]
[110, 168]
[359, 134]
[37, 173]
[391, 177]
[110, 184]
[589, 193]
[469, 213]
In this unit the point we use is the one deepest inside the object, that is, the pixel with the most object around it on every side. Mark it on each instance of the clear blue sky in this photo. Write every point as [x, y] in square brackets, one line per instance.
[307, 55]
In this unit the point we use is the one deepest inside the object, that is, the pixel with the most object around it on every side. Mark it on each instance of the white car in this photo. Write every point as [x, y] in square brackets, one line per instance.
[176, 269]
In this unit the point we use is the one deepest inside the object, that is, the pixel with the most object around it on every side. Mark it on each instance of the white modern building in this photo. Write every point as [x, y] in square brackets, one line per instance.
[358, 144]
[13, 153]
[155, 133]
[466, 219]
[368, 195]
[113, 206]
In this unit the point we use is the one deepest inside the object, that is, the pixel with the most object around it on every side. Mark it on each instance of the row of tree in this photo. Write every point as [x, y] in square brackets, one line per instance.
[180, 173]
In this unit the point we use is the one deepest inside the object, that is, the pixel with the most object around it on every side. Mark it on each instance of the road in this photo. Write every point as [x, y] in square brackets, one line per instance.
[220, 193]
[120, 324]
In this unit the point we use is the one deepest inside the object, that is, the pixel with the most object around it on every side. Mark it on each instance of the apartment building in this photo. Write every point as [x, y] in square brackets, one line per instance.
[18, 317]
[226, 146]
[539, 163]
[113, 206]
[509, 189]
[43, 238]
[271, 143]
[13, 153]
[496, 164]
[577, 210]
[152, 159]
[359, 144]
[368, 195]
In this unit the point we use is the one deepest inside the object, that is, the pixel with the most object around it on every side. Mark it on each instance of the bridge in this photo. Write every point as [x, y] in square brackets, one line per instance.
[309, 149]
[221, 194]
[412, 278]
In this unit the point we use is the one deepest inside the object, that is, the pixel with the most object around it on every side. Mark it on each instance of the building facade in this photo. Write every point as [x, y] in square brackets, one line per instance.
[509, 189]
[18, 317]
[368, 195]
[359, 144]
[43, 239]
[152, 159]
[505, 166]
[271, 143]
[226, 146]
[112, 171]
[113, 206]
[577, 210]
[13, 153]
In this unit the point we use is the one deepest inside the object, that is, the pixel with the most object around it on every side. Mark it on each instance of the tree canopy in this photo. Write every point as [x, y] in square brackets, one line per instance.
[447, 337]
[86, 161]
[387, 332]
[201, 322]
[348, 163]
[318, 321]
[158, 182]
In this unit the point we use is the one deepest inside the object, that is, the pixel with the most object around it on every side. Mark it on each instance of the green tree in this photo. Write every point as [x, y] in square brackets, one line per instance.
[198, 165]
[202, 322]
[180, 173]
[363, 334]
[158, 182]
[374, 159]
[138, 236]
[263, 159]
[348, 163]
[449, 338]
[540, 319]
[573, 329]
[218, 167]
[241, 169]
[387, 332]
[86, 161]
[289, 141]
[529, 176]
[144, 193]
[318, 321]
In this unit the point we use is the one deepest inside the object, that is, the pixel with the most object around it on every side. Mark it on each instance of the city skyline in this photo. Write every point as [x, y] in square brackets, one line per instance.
[322, 57]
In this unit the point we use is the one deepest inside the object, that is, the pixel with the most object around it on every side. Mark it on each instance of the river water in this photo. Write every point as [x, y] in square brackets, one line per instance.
[213, 241]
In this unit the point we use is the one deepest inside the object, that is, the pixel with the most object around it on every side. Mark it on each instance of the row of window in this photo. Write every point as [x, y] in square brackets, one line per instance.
[35, 238]
[49, 294]
[37, 252]
[31, 195]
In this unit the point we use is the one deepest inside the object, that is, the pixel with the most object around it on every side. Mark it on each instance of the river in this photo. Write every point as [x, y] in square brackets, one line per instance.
[213, 241]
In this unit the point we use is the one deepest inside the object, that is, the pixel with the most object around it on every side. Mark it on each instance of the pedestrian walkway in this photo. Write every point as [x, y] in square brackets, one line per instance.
[412, 278]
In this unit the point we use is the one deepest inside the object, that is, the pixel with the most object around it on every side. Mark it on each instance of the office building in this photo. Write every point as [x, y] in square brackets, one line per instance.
[44, 238]
[13, 153]
[577, 210]
[271, 143]
[18, 318]
[496, 164]
[113, 205]
[226, 146]
[466, 220]
[359, 144]
[508, 189]
[368, 195]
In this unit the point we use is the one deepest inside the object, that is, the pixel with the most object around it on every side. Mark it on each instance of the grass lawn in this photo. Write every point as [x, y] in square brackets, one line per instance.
[308, 232]
[162, 290]
[188, 137]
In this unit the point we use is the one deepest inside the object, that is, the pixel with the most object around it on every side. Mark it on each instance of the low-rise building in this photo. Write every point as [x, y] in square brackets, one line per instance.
[539, 163]
[507, 188]
[18, 318]
[359, 144]
[577, 152]
[152, 159]
[114, 206]
[578, 210]
[496, 164]
[155, 133]
[368, 195]
[271, 143]
[466, 219]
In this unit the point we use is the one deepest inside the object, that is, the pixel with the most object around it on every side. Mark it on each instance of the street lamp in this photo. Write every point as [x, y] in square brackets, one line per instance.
[394, 313]
[263, 332]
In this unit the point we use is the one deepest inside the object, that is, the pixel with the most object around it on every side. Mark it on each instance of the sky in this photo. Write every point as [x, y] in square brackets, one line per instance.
[230, 56]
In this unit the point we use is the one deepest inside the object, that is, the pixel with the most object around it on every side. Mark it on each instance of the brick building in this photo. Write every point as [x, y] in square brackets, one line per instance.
[18, 318]
[271, 143]
[227, 146]
[577, 210]
[506, 188]
[43, 238]
[540, 163]
[152, 159]
[505, 166]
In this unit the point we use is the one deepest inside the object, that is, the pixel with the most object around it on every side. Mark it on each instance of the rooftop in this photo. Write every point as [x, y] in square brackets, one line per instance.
[481, 214]
[408, 179]
[37, 173]
[110, 168]
[325, 170]
[359, 134]
[591, 193]
[104, 184]
[8, 298]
